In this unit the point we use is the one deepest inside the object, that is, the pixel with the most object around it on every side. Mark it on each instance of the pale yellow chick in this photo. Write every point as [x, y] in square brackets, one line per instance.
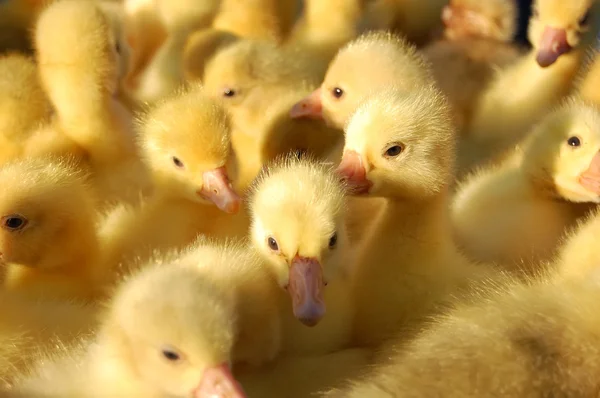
[516, 213]
[399, 147]
[589, 80]
[48, 240]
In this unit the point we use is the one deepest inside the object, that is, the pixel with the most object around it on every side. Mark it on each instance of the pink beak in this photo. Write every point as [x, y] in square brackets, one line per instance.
[353, 172]
[306, 289]
[590, 179]
[309, 107]
[217, 189]
[554, 43]
[218, 382]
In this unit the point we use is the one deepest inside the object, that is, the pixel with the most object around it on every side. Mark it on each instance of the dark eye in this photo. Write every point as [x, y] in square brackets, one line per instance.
[333, 241]
[118, 48]
[177, 162]
[574, 141]
[300, 153]
[273, 244]
[170, 354]
[585, 19]
[14, 222]
[337, 92]
[228, 92]
[393, 151]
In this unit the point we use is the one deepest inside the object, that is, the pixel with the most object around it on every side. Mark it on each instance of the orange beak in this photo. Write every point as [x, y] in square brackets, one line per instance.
[353, 172]
[309, 107]
[217, 189]
[218, 382]
[306, 289]
[554, 43]
[590, 179]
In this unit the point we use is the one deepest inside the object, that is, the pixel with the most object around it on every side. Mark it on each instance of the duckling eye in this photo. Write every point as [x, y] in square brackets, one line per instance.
[170, 354]
[333, 240]
[14, 222]
[228, 92]
[585, 19]
[177, 162]
[393, 151]
[118, 48]
[574, 141]
[337, 92]
[300, 153]
[272, 244]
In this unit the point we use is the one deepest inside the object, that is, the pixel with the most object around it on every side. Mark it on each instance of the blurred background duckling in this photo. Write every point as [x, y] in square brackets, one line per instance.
[297, 209]
[516, 213]
[589, 80]
[186, 145]
[78, 55]
[561, 34]
[399, 146]
[48, 239]
[24, 105]
[136, 352]
[477, 41]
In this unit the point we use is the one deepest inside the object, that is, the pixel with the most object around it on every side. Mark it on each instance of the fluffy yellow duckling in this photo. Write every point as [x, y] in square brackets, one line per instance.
[589, 80]
[23, 103]
[373, 61]
[167, 331]
[524, 340]
[399, 146]
[256, 19]
[560, 33]
[516, 213]
[185, 142]
[298, 226]
[165, 71]
[78, 55]
[200, 47]
[415, 19]
[477, 40]
[48, 240]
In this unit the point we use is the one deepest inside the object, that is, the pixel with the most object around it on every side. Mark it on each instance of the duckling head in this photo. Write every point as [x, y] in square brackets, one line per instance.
[298, 226]
[399, 145]
[115, 13]
[76, 40]
[562, 155]
[492, 19]
[45, 206]
[186, 144]
[371, 62]
[557, 27]
[175, 330]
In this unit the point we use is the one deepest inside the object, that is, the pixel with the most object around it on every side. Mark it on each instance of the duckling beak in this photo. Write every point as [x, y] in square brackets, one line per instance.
[217, 189]
[351, 169]
[590, 179]
[306, 289]
[218, 382]
[554, 43]
[310, 107]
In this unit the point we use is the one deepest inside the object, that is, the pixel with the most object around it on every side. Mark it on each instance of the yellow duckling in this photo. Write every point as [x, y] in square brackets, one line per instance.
[516, 213]
[48, 240]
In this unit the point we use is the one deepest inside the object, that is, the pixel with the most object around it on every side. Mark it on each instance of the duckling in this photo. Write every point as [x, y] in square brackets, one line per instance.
[589, 80]
[185, 142]
[136, 353]
[200, 47]
[48, 240]
[542, 192]
[477, 41]
[23, 103]
[413, 18]
[524, 340]
[399, 146]
[256, 19]
[297, 211]
[78, 61]
[164, 72]
[372, 61]
[560, 33]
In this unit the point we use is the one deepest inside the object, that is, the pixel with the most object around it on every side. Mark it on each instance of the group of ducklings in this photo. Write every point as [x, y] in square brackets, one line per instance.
[269, 198]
